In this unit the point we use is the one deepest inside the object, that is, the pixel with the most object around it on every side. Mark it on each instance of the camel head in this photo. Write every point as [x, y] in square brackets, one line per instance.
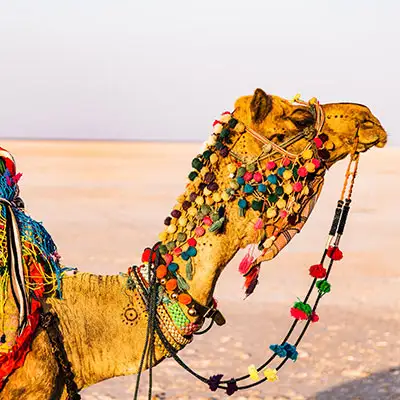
[279, 120]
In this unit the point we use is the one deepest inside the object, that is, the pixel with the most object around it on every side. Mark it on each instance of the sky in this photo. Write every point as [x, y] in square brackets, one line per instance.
[163, 70]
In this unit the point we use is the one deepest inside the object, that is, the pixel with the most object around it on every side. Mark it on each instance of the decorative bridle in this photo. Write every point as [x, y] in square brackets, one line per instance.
[164, 292]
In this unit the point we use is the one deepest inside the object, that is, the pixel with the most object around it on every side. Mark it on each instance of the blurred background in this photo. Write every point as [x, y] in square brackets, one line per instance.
[102, 83]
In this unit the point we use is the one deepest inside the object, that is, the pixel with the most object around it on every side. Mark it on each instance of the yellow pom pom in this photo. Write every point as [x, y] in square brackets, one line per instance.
[204, 170]
[225, 118]
[288, 188]
[199, 200]
[287, 174]
[296, 98]
[217, 197]
[268, 243]
[253, 373]
[225, 196]
[313, 101]
[182, 221]
[231, 168]
[296, 207]
[305, 190]
[217, 129]
[163, 236]
[329, 145]
[271, 212]
[310, 167]
[271, 374]
[207, 192]
[209, 201]
[181, 198]
[307, 154]
[239, 127]
[192, 211]
[213, 158]
[281, 204]
[171, 228]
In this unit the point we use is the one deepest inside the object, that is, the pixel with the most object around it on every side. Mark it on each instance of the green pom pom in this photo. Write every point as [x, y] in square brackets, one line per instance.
[171, 245]
[272, 198]
[323, 286]
[241, 171]
[193, 175]
[181, 237]
[207, 154]
[205, 209]
[251, 168]
[224, 133]
[257, 205]
[215, 217]
[219, 145]
[197, 164]
[163, 249]
[303, 307]
[279, 190]
[232, 122]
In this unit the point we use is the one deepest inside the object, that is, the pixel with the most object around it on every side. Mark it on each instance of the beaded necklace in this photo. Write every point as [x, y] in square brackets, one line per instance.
[281, 192]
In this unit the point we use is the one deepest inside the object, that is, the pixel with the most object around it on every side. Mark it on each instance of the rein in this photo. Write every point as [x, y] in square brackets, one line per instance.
[149, 288]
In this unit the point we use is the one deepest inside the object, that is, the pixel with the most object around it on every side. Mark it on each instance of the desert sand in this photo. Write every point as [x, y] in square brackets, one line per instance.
[103, 202]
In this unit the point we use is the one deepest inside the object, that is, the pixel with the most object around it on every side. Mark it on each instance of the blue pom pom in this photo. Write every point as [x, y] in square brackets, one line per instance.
[262, 188]
[248, 188]
[281, 170]
[185, 256]
[272, 179]
[242, 203]
[173, 267]
[191, 251]
[240, 180]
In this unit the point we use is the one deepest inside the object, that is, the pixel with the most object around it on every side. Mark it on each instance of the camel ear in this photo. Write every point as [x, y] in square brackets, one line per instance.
[260, 106]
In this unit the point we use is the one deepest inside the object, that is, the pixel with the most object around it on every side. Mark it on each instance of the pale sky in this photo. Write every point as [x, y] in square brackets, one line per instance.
[162, 70]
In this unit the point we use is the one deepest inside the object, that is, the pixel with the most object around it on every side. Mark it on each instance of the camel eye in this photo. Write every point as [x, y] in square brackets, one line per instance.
[368, 124]
[302, 118]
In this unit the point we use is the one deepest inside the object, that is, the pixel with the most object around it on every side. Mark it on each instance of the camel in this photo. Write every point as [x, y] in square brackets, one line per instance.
[102, 319]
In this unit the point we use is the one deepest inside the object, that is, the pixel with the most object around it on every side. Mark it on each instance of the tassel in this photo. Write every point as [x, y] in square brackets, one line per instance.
[245, 264]
[216, 226]
[182, 284]
[189, 270]
[251, 280]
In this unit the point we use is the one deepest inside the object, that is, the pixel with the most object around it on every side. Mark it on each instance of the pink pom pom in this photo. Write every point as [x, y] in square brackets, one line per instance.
[245, 263]
[283, 213]
[285, 162]
[316, 162]
[192, 242]
[259, 224]
[207, 220]
[297, 187]
[302, 171]
[168, 259]
[318, 142]
[271, 165]
[258, 177]
[199, 231]
[248, 176]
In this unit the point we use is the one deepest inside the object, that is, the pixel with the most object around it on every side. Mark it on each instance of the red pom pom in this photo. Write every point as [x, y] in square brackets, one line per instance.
[317, 271]
[248, 176]
[216, 122]
[192, 242]
[316, 162]
[168, 259]
[318, 142]
[334, 253]
[146, 255]
[285, 162]
[178, 251]
[207, 220]
[298, 314]
[314, 317]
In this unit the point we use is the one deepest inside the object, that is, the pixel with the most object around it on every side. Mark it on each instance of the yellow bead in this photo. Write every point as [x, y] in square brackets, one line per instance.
[171, 228]
[231, 168]
[216, 197]
[296, 207]
[192, 211]
[217, 129]
[182, 221]
[199, 200]
[207, 192]
[213, 158]
[271, 212]
[181, 198]
[204, 170]
[163, 236]
[313, 100]
[310, 167]
[307, 154]
[225, 118]
[253, 373]
[287, 174]
[281, 204]
[305, 190]
[268, 243]
[329, 145]
[288, 188]
[209, 201]
[225, 196]
[271, 374]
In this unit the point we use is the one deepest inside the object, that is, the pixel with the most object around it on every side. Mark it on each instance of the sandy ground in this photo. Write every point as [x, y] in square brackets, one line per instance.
[104, 202]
